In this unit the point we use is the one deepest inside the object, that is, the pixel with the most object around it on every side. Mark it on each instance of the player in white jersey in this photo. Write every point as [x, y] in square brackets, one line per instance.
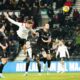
[24, 28]
[22, 33]
[63, 53]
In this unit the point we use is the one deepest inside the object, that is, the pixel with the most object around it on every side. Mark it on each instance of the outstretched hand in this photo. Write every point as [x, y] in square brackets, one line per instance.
[5, 14]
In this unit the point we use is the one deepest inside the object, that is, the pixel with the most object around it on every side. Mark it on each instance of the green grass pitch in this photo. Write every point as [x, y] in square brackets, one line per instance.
[43, 76]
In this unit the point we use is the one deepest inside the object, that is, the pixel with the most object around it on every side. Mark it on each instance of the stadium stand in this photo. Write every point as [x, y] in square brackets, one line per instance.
[62, 25]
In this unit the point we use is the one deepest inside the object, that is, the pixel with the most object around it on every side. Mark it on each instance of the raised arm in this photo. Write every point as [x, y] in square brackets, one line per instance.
[11, 20]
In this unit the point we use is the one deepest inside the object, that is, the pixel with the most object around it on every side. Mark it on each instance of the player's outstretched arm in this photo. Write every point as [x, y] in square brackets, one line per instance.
[11, 20]
[33, 32]
[67, 52]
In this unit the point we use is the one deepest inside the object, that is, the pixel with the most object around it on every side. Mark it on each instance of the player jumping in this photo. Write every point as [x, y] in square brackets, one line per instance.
[22, 33]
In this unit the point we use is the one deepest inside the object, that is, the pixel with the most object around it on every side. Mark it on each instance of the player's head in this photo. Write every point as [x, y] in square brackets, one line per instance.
[29, 23]
[46, 26]
[61, 43]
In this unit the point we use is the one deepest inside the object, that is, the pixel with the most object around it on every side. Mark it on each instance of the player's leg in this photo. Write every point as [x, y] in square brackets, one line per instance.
[62, 65]
[44, 59]
[3, 63]
[27, 50]
[41, 48]
[38, 63]
[48, 56]
[24, 48]
[36, 55]
[27, 66]
[49, 60]
[29, 54]
[4, 60]
[22, 43]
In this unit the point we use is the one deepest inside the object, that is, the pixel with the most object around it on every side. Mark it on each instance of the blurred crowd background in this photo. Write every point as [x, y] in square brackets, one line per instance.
[63, 25]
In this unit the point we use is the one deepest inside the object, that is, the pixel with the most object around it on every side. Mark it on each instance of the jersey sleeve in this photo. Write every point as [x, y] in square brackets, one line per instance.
[39, 32]
[14, 22]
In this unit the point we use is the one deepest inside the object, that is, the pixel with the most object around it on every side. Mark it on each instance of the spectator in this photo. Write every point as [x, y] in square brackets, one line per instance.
[61, 17]
[13, 43]
[46, 2]
[37, 3]
[75, 16]
[10, 4]
[30, 2]
[50, 11]
[68, 3]
[59, 3]
[24, 8]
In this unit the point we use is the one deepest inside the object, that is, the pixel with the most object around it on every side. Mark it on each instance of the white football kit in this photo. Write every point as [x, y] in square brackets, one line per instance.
[22, 32]
[62, 51]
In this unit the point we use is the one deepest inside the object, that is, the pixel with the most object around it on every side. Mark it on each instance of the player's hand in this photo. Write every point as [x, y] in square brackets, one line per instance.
[5, 14]
[4, 48]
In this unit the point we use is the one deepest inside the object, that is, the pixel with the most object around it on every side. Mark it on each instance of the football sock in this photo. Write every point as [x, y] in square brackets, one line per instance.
[49, 63]
[27, 65]
[1, 67]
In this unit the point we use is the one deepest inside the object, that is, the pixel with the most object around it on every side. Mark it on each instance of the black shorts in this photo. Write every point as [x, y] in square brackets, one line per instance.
[36, 50]
[43, 47]
[21, 41]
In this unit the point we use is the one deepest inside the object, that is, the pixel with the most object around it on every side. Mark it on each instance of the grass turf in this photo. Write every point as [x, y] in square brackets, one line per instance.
[43, 76]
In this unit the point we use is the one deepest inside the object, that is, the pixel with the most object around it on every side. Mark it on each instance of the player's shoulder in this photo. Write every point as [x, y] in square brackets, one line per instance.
[40, 30]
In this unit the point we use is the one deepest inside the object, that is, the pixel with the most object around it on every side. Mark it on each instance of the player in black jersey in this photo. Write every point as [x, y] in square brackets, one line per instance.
[30, 51]
[43, 43]
[3, 51]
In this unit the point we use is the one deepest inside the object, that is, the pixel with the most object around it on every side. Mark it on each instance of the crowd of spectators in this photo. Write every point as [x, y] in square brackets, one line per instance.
[62, 26]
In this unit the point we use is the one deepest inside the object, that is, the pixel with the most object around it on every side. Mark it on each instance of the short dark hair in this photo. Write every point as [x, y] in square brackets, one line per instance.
[30, 22]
